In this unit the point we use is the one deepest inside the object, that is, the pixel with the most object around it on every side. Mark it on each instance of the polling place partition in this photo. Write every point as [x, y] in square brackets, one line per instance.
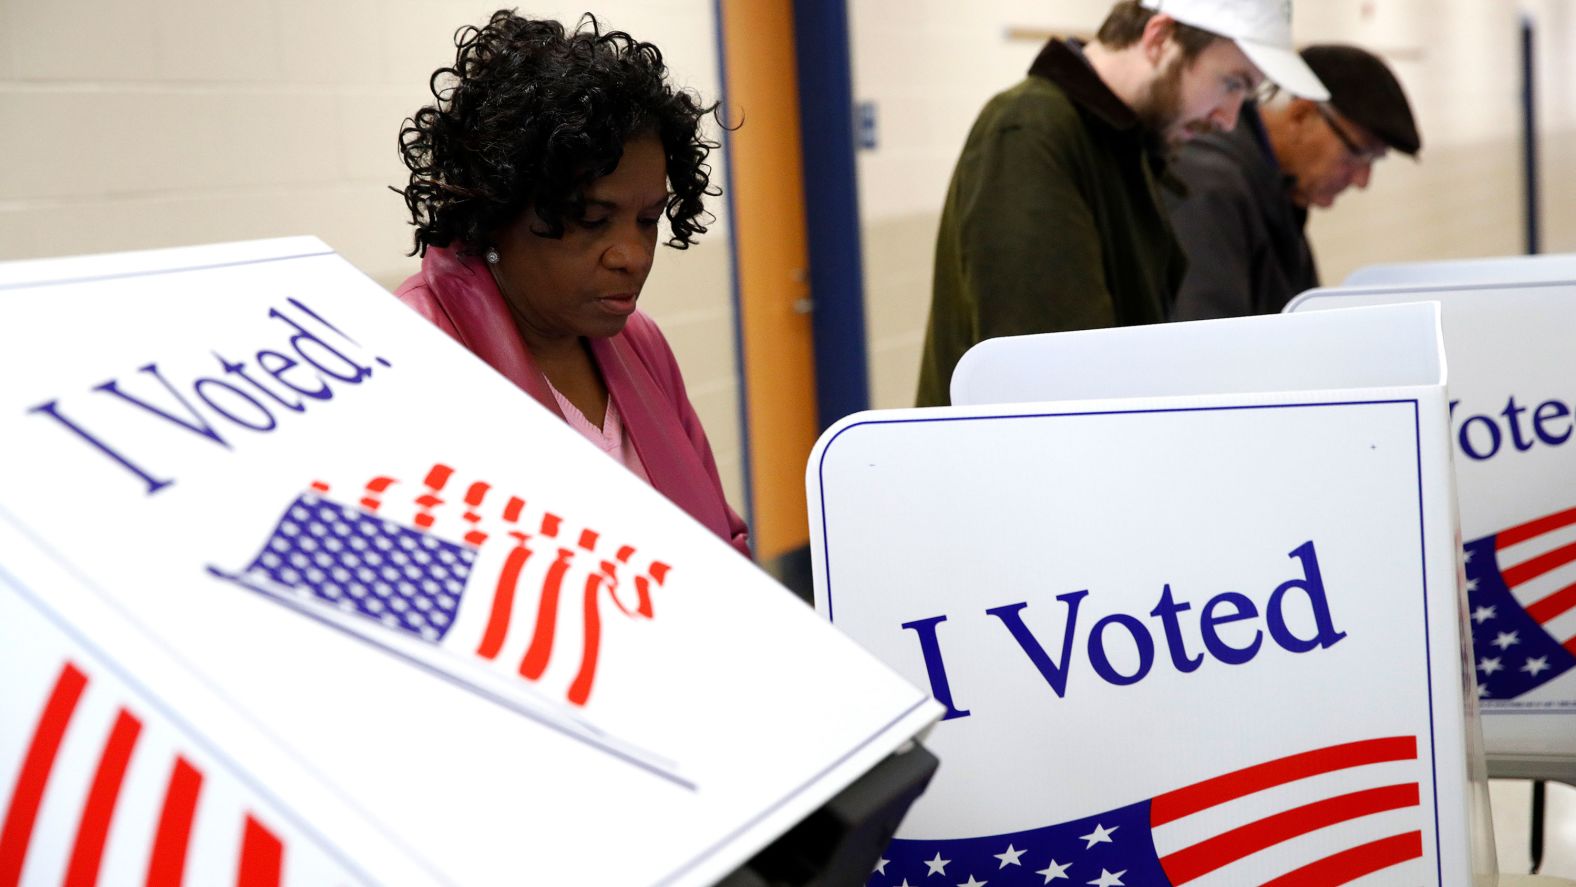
[295, 589]
[1454, 272]
[1189, 626]
[1512, 396]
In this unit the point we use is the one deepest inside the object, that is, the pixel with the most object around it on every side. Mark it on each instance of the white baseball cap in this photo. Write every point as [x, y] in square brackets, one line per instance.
[1261, 29]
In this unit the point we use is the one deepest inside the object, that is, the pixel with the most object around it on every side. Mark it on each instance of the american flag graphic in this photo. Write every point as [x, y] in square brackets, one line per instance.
[1521, 594]
[1322, 817]
[103, 793]
[391, 566]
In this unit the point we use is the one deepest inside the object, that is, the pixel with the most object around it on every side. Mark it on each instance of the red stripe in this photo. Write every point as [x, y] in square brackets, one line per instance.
[1553, 605]
[88, 852]
[167, 867]
[503, 603]
[1228, 847]
[643, 597]
[379, 484]
[1190, 799]
[1533, 528]
[541, 648]
[580, 688]
[262, 857]
[550, 524]
[511, 511]
[477, 491]
[439, 475]
[1539, 565]
[319, 487]
[34, 776]
[643, 591]
[588, 539]
[1349, 865]
[1570, 646]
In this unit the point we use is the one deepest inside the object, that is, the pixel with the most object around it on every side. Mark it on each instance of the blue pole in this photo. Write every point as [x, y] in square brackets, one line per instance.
[826, 119]
[1529, 132]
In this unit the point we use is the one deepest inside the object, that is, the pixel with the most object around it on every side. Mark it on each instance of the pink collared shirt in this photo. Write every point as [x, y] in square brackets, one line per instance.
[610, 438]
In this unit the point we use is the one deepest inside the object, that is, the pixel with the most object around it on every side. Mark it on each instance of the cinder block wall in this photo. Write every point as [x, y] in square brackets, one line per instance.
[133, 124]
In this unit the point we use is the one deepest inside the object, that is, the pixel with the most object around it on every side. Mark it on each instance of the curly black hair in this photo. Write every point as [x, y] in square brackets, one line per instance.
[529, 115]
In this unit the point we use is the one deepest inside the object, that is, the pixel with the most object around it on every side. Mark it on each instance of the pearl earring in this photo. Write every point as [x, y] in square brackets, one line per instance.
[491, 255]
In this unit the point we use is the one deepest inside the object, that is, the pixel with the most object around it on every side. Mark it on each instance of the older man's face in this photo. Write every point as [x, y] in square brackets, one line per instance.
[1337, 154]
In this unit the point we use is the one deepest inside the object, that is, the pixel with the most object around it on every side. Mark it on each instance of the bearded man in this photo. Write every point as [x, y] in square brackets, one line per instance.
[1053, 220]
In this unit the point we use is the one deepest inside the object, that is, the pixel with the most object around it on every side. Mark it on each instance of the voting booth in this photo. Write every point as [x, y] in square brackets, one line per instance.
[1190, 624]
[294, 589]
[1553, 267]
[1511, 403]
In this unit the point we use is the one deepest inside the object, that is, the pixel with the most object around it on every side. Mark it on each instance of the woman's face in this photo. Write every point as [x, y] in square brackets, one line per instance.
[586, 282]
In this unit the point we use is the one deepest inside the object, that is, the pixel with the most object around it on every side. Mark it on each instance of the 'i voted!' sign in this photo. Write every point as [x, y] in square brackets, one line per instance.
[1201, 638]
[296, 590]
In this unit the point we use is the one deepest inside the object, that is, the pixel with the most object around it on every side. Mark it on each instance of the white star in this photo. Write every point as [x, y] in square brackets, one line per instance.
[1107, 879]
[1535, 665]
[1483, 614]
[1100, 835]
[880, 868]
[1471, 585]
[1469, 557]
[1489, 666]
[1507, 639]
[1010, 857]
[938, 866]
[904, 884]
[1054, 870]
[972, 883]
[1482, 690]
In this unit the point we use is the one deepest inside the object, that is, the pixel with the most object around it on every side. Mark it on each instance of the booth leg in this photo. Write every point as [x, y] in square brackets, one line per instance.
[1539, 805]
[840, 843]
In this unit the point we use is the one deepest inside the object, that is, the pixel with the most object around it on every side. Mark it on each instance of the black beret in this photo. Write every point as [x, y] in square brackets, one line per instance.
[1364, 90]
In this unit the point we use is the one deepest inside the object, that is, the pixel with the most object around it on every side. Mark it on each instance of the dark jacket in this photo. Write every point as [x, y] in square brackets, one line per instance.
[1052, 220]
[1247, 253]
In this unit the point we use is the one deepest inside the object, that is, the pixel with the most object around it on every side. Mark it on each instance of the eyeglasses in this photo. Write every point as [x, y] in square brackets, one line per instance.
[1358, 155]
[1236, 84]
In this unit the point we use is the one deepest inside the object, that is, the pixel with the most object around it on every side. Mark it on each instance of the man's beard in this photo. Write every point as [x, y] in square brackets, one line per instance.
[1159, 111]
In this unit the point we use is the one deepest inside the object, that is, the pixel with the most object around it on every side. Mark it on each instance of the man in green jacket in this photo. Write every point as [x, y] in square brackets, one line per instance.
[1052, 220]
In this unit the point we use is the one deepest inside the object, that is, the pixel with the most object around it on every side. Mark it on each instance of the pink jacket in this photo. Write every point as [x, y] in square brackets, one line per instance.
[457, 294]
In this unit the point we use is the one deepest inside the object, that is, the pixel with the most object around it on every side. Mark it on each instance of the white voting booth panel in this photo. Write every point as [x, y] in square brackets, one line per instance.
[292, 585]
[1199, 637]
[1495, 270]
[1235, 356]
[1511, 395]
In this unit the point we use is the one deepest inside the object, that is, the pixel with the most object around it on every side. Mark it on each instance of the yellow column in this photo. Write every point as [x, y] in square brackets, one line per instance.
[767, 175]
